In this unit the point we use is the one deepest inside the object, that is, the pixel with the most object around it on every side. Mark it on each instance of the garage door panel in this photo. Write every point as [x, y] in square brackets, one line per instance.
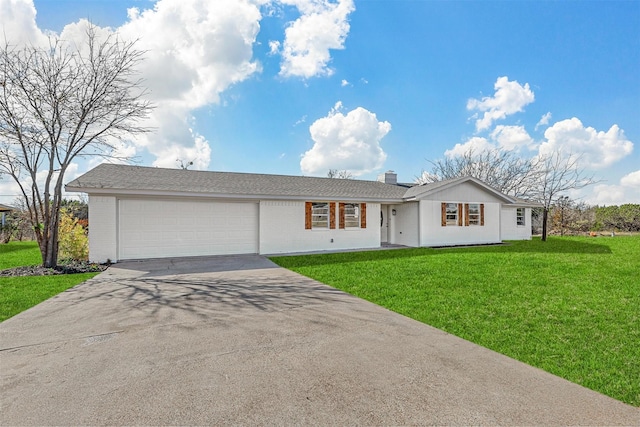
[168, 228]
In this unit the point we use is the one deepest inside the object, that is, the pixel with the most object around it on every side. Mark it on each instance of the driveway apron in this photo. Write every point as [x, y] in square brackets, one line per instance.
[238, 340]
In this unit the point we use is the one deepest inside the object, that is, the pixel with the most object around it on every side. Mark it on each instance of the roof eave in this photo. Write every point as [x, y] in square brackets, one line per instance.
[520, 204]
[164, 193]
[459, 181]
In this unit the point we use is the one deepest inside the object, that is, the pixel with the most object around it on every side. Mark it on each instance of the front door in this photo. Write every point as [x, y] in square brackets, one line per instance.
[384, 223]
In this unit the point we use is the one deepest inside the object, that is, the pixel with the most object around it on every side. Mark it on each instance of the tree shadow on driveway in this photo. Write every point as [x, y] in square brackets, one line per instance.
[205, 295]
[120, 299]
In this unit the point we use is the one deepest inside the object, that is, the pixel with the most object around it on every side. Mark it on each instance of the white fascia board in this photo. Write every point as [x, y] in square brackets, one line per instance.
[525, 205]
[253, 197]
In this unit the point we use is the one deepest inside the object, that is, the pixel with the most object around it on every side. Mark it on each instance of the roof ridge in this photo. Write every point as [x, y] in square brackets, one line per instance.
[158, 168]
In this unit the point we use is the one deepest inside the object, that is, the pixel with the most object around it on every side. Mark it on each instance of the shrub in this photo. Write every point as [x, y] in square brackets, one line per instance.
[73, 241]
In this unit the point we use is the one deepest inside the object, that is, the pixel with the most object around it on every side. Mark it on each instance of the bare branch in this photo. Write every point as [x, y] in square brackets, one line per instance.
[503, 170]
[343, 174]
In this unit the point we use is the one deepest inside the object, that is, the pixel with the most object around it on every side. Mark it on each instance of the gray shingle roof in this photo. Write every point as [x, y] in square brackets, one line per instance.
[432, 186]
[424, 189]
[134, 179]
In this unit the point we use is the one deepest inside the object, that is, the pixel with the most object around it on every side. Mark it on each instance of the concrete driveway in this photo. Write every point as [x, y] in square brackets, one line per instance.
[238, 340]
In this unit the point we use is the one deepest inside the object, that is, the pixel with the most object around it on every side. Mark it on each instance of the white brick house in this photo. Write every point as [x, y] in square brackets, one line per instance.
[140, 212]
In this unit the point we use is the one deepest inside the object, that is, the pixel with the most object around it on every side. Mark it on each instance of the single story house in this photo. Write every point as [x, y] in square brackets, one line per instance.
[142, 212]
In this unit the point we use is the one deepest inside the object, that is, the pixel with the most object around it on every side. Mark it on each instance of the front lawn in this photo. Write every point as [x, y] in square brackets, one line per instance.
[570, 306]
[20, 293]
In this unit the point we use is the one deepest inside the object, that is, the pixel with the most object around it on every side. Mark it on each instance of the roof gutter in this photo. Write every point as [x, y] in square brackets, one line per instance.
[246, 197]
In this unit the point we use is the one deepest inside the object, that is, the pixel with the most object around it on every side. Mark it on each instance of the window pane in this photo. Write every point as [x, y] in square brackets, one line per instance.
[320, 215]
[352, 215]
[452, 214]
[474, 214]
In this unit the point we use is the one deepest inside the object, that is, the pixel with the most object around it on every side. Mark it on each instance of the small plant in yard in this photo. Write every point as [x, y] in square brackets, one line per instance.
[570, 306]
[73, 242]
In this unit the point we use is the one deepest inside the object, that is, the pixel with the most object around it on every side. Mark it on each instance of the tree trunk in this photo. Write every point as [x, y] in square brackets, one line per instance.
[50, 257]
[545, 212]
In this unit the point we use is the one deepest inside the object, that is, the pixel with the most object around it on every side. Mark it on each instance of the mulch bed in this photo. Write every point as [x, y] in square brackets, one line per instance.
[67, 268]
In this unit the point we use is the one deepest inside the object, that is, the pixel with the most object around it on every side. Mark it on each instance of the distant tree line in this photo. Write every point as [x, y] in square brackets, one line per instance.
[568, 217]
[623, 218]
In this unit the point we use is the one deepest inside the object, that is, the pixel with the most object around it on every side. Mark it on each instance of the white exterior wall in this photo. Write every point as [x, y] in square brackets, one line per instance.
[432, 233]
[103, 245]
[403, 226]
[282, 230]
[510, 229]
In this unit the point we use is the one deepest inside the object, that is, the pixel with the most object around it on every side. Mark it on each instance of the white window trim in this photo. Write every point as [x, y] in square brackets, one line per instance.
[524, 217]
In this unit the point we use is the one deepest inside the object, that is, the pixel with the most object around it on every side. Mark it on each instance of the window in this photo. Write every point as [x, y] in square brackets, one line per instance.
[352, 215]
[323, 215]
[320, 215]
[520, 216]
[451, 214]
[473, 210]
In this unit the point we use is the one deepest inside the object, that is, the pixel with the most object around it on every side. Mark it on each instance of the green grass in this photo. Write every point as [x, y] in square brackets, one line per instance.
[570, 306]
[20, 293]
[18, 254]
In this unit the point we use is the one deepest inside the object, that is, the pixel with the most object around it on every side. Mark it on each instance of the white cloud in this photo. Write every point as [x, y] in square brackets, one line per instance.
[10, 190]
[510, 97]
[274, 47]
[598, 149]
[627, 191]
[346, 142]
[544, 120]
[322, 26]
[632, 180]
[18, 23]
[196, 49]
[172, 155]
[344, 83]
[512, 138]
[477, 144]
[603, 194]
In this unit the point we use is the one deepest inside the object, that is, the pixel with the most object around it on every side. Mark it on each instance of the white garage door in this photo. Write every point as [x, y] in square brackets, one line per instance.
[173, 228]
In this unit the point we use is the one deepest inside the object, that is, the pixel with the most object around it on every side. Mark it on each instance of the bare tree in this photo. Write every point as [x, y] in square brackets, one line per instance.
[564, 205]
[58, 103]
[558, 173]
[184, 164]
[503, 170]
[343, 174]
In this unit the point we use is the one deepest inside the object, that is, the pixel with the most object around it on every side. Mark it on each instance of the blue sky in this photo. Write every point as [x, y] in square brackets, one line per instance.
[301, 86]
